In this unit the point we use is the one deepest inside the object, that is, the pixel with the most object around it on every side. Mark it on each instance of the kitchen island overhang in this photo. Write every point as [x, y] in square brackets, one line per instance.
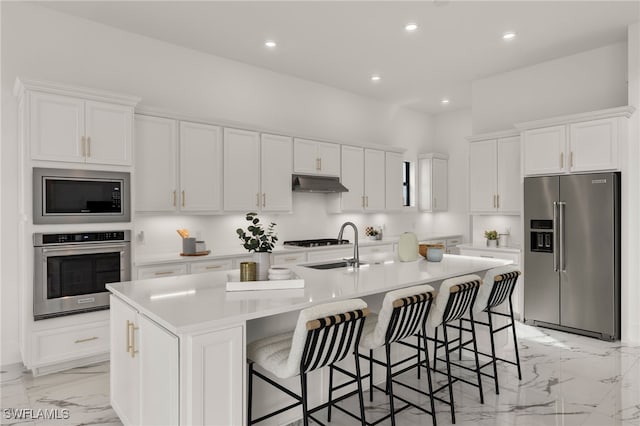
[202, 330]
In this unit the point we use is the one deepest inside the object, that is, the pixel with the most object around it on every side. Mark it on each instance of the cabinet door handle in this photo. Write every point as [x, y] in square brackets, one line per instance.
[132, 333]
[89, 146]
[257, 199]
[562, 160]
[163, 273]
[88, 339]
[83, 146]
[320, 160]
[184, 198]
[214, 267]
[571, 158]
[498, 200]
[290, 259]
[174, 198]
[494, 201]
[264, 199]
[366, 201]
[362, 201]
[318, 164]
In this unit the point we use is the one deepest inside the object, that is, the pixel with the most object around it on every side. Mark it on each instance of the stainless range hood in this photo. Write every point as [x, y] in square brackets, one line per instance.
[322, 184]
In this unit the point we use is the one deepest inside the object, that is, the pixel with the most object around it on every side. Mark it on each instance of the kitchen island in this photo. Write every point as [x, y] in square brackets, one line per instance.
[178, 343]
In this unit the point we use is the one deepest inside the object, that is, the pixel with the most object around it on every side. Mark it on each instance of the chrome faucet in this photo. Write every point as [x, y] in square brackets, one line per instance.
[356, 252]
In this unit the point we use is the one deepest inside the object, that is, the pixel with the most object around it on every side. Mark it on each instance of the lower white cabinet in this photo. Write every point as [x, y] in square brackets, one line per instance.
[68, 343]
[161, 270]
[144, 368]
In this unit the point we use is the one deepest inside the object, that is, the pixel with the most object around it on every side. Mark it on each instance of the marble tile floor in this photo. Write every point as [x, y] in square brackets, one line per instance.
[567, 380]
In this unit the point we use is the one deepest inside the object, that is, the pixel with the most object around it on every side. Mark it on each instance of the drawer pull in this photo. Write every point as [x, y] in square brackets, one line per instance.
[490, 257]
[214, 267]
[88, 339]
[290, 259]
[163, 273]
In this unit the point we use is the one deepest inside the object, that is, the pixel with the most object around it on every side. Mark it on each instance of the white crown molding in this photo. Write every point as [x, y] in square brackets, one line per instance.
[432, 155]
[23, 84]
[623, 111]
[494, 135]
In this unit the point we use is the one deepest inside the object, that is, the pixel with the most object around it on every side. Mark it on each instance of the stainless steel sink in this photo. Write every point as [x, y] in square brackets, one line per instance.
[331, 265]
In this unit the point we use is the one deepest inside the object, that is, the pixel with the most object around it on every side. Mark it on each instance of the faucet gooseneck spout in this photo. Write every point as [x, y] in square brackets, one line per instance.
[356, 252]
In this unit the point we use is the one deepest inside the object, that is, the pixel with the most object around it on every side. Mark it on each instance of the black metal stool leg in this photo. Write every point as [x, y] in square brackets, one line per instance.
[250, 391]
[303, 388]
[515, 339]
[493, 352]
[370, 375]
[330, 393]
[429, 383]
[460, 337]
[359, 383]
[475, 353]
[418, 354]
[446, 353]
[390, 385]
[435, 347]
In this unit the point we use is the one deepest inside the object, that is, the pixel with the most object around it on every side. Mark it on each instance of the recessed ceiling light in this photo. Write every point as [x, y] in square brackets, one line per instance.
[444, 101]
[270, 43]
[411, 27]
[509, 35]
[375, 77]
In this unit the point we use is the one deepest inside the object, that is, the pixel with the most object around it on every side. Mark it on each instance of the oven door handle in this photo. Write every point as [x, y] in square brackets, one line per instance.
[105, 248]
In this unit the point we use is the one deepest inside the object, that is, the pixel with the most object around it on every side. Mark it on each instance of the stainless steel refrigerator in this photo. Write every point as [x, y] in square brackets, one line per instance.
[572, 253]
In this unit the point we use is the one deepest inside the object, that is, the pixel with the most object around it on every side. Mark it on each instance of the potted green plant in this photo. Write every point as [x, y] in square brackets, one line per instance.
[260, 240]
[492, 237]
[373, 233]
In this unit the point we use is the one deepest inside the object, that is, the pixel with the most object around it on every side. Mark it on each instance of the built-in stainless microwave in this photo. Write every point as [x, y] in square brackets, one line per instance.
[80, 196]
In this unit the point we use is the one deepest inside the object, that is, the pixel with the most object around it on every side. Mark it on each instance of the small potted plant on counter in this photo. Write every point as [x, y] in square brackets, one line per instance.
[373, 233]
[260, 240]
[492, 238]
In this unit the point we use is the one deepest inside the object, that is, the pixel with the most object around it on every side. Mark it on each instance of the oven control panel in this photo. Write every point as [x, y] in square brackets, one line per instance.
[81, 237]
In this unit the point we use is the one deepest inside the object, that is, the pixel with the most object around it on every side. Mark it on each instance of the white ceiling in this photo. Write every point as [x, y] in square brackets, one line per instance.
[341, 44]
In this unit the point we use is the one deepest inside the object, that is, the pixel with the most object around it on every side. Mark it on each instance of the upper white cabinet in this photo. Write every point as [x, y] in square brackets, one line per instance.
[494, 174]
[394, 199]
[276, 164]
[200, 167]
[433, 179]
[178, 166]
[241, 170]
[77, 125]
[156, 164]
[577, 143]
[316, 158]
[363, 174]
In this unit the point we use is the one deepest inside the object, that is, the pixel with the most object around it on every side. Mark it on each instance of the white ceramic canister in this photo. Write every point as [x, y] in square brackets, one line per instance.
[408, 247]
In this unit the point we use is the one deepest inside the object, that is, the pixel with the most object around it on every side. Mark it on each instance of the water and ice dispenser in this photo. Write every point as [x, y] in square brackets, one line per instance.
[542, 235]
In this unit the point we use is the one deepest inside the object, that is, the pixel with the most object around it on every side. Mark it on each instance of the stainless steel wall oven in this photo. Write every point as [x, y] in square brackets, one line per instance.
[80, 196]
[71, 270]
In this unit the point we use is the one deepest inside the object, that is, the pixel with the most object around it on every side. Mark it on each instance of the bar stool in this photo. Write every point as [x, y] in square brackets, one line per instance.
[324, 334]
[500, 284]
[455, 299]
[403, 314]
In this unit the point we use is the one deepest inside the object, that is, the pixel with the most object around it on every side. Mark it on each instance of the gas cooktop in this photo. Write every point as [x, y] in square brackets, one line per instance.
[320, 242]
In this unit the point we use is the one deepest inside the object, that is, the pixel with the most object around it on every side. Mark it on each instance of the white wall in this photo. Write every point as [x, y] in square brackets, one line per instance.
[43, 44]
[583, 82]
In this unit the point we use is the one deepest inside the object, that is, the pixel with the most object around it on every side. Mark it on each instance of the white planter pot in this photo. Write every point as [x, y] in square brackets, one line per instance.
[263, 263]
[492, 243]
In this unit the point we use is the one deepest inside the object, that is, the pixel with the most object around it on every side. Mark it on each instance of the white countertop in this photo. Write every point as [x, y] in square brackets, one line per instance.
[484, 247]
[189, 303]
[231, 252]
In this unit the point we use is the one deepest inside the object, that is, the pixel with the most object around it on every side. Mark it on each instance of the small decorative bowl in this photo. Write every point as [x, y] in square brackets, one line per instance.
[431, 252]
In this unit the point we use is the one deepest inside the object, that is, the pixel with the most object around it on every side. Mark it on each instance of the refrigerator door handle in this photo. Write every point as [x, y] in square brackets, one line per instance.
[556, 236]
[561, 206]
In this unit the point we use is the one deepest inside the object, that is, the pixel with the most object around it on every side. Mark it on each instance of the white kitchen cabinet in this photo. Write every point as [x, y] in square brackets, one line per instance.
[289, 258]
[575, 143]
[210, 266]
[433, 175]
[394, 198]
[363, 173]
[544, 150]
[593, 145]
[161, 270]
[156, 164]
[241, 170]
[144, 368]
[276, 167]
[343, 253]
[352, 178]
[62, 344]
[374, 183]
[494, 175]
[200, 167]
[316, 158]
[77, 125]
